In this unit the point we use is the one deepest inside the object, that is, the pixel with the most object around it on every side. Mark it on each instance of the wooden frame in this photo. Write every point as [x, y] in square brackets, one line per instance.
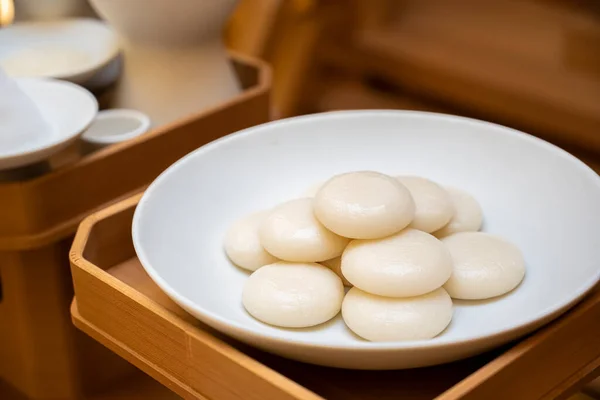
[119, 305]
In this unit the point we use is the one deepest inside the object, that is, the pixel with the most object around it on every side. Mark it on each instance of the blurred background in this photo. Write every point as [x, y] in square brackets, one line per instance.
[529, 64]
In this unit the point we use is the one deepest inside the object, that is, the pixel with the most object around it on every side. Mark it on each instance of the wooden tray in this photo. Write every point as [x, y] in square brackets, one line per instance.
[41, 354]
[120, 306]
[42, 210]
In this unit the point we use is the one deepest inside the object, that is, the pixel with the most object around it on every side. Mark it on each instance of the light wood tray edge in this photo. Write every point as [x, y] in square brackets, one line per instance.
[565, 354]
[282, 387]
[128, 354]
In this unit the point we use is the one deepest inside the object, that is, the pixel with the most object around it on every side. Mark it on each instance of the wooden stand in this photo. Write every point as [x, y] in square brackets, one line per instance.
[40, 353]
[120, 306]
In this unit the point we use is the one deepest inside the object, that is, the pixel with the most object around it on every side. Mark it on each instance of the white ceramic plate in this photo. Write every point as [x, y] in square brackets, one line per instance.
[75, 50]
[68, 109]
[537, 195]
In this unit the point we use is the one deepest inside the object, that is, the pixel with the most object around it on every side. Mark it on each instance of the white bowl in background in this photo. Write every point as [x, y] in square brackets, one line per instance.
[77, 50]
[538, 196]
[66, 107]
[115, 126]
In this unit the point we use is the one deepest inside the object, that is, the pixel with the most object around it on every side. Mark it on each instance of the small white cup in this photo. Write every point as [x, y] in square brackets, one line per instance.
[114, 126]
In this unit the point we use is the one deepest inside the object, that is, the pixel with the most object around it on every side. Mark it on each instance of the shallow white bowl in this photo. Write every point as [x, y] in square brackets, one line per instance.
[68, 109]
[535, 194]
[75, 50]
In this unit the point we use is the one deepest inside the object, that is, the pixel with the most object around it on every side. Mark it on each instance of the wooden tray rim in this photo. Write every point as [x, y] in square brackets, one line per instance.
[64, 228]
[76, 257]
[462, 389]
